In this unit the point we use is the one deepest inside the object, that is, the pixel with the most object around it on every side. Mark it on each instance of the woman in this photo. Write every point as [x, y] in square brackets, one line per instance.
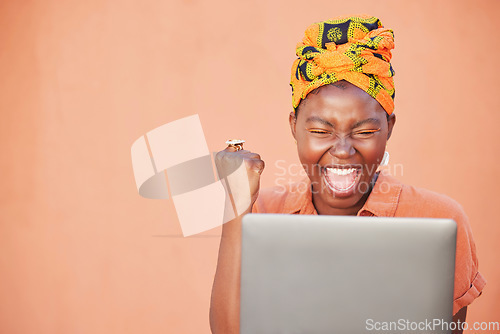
[343, 99]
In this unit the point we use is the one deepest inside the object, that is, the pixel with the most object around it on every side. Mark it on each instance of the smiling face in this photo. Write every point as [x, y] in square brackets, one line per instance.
[341, 134]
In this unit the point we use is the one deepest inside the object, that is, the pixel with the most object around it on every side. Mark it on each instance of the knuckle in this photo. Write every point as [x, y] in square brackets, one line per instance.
[257, 156]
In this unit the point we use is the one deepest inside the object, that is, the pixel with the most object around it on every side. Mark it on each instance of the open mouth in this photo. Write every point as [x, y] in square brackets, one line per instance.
[342, 179]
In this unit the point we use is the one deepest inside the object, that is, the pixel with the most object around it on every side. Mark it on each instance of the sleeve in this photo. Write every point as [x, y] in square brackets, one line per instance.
[270, 200]
[469, 282]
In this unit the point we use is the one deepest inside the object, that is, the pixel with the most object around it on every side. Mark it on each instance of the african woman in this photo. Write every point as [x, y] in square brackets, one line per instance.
[343, 100]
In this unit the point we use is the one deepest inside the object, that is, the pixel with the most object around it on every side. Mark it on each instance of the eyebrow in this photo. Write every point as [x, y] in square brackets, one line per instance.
[358, 124]
[320, 120]
[368, 120]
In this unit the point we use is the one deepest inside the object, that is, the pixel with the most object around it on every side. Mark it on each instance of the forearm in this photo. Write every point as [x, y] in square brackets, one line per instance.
[225, 302]
[241, 171]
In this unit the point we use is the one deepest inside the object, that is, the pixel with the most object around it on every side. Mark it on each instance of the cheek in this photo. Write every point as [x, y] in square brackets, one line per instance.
[372, 152]
[311, 151]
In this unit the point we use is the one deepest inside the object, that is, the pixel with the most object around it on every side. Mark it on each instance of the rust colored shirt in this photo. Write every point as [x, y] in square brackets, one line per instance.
[391, 198]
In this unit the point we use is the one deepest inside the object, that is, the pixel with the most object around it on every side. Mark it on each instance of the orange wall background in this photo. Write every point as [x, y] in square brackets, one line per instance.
[80, 81]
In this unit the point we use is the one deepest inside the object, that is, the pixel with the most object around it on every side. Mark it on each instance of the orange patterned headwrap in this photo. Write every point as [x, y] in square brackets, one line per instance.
[356, 49]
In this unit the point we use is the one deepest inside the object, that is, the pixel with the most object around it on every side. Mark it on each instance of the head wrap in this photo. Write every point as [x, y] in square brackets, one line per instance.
[356, 49]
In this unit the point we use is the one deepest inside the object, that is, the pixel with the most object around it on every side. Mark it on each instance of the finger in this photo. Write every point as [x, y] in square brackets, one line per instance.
[230, 149]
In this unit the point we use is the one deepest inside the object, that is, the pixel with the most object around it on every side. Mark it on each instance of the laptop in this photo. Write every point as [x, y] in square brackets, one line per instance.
[341, 274]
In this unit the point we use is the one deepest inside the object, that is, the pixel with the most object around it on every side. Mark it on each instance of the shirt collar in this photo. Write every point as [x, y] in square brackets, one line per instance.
[299, 199]
[384, 198]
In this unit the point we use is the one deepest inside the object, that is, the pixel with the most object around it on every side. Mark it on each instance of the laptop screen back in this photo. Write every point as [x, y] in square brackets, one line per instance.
[338, 274]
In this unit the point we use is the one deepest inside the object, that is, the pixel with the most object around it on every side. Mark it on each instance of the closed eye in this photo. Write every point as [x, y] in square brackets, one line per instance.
[366, 133]
[318, 131]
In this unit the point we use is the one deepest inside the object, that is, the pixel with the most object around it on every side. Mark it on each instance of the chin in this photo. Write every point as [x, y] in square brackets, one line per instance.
[343, 188]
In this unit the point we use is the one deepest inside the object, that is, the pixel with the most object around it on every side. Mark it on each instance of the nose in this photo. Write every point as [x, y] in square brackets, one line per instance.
[342, 148]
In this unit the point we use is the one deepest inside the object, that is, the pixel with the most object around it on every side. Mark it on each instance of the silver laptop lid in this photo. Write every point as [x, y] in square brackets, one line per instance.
[342, 274]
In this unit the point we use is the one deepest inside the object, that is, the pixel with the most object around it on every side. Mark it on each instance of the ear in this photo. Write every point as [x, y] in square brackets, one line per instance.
[390, 123]
[292, 119]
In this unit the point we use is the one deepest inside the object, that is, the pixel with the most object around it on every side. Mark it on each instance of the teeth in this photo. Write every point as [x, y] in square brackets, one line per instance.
[341, 171]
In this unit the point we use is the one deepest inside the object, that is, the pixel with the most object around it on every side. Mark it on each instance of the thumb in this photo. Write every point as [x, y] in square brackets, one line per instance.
[257, 166]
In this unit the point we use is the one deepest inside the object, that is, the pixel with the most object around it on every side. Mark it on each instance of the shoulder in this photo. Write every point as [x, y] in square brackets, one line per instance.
[419, 202]
[415, 201]
[286, 198]
[411, 201]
